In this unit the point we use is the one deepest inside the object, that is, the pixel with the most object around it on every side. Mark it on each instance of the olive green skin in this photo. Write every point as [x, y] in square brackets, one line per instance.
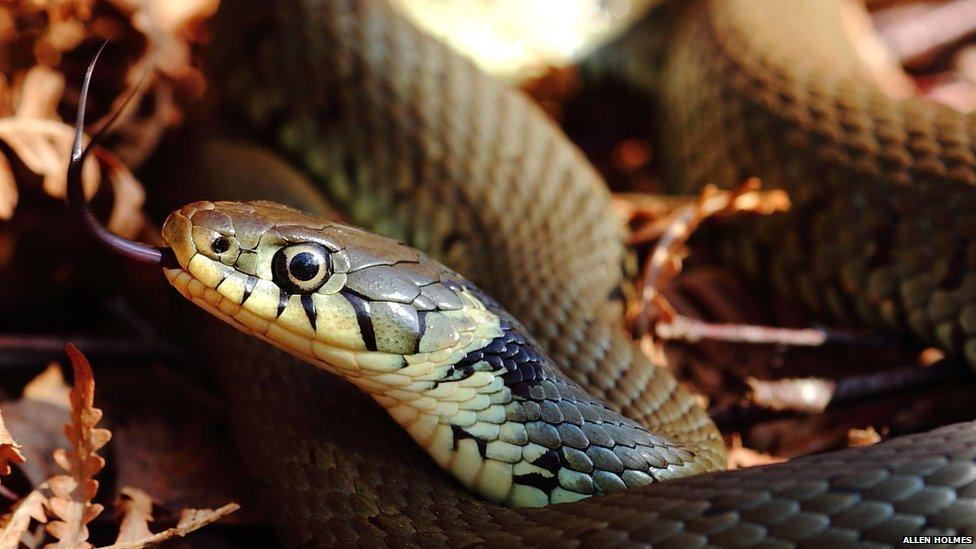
[413, 142]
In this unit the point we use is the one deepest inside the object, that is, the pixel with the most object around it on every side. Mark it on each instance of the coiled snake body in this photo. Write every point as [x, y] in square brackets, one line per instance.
[415, 143]
[882, 226]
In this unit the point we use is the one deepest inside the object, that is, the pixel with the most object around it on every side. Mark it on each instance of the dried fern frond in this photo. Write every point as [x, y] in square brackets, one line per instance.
[135, 509]
[72, 493]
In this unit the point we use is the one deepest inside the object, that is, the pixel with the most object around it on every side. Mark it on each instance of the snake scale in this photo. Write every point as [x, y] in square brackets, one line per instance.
[413, 142]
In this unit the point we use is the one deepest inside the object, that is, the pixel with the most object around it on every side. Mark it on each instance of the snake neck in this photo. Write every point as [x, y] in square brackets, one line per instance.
[512, 428]
[491, 410]
[508, 426]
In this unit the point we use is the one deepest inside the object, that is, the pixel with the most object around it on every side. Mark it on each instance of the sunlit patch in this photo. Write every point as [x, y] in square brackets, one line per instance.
[513, 38]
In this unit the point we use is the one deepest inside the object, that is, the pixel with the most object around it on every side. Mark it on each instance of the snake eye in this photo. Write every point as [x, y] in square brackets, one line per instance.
[301, 268]
[220, 245]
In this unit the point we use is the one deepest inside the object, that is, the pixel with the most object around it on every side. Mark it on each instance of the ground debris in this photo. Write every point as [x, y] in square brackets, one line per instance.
[66, 502]
[72, 493]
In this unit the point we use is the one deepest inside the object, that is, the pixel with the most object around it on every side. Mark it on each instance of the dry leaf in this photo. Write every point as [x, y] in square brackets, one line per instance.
[40, 94]
[169, 27]
[72, 494]
[44, 147]
[9, 450]
[37, 420]
[682, 328]
[740, 457]
[30, 95]
[135, 508]
[863, 437]
[29, 508]
[49, 387]
[165, 23]
[181, 461]
[70, 506]
[190, 520]
[8, 189]
[38, 426]
[674, 230]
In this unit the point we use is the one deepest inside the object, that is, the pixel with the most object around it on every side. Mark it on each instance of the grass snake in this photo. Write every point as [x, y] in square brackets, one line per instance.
[413, 142]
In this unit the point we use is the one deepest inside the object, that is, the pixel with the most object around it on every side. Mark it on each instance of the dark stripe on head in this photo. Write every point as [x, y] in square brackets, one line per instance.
[249, 285]
[282, 301]
[222, 279]
[421, 329]
[309, 305]
[361, 306]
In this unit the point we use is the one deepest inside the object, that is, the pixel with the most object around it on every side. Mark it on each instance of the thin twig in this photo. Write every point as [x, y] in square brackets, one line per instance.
[29, 349]
[665, 260]
[692, 330]
[813, 395]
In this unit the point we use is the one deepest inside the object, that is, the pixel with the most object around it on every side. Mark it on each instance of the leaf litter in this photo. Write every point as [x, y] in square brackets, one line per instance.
[33, 91]
[65, 503]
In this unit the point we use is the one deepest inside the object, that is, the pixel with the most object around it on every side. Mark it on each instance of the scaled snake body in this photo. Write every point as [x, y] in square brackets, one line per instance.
[415, 143]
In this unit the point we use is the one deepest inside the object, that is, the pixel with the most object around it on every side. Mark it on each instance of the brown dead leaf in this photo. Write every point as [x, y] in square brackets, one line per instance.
[30, 508]
[40, 93]
[37, 421]
[8, 189]
[44, 147]
[72, 494]
[135, 509]
[49, 387]
[190, 521]
[740, 457]
[682, 328]
[673, 231]
[862, 437]
[69, 507]
[169, 28]
[38, 426]
[30, 95]
[166, 23]
[9, 450]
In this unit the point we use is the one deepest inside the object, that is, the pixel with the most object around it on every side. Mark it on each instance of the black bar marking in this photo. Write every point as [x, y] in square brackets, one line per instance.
[309, 305]
[550, 461]
[282, 301]
[222, 279]
[421, 329]
[459, 433]
[537, 480]
[249, 285]
[361, 306]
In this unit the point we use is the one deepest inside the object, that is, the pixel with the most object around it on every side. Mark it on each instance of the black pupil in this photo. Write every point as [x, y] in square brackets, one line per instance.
[303, 266]
[220, 245]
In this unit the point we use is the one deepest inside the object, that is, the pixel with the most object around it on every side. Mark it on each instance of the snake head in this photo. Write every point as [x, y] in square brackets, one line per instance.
[337, 296]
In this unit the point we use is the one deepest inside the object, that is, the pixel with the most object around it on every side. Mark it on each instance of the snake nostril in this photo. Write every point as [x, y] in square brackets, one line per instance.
[220, 245]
